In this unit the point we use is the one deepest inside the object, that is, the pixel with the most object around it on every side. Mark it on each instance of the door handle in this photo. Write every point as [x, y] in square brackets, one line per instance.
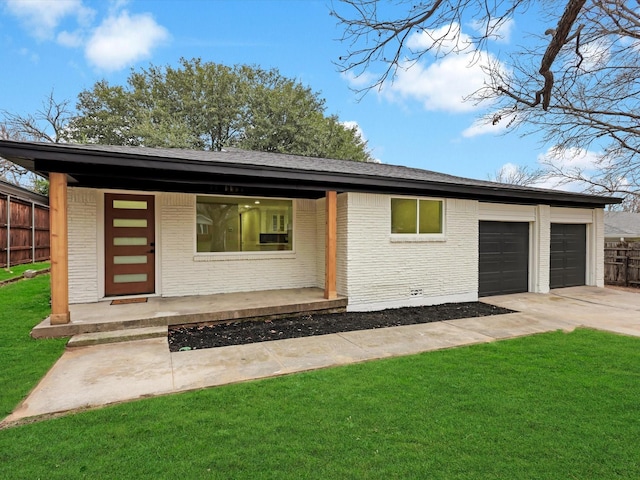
[151, 251]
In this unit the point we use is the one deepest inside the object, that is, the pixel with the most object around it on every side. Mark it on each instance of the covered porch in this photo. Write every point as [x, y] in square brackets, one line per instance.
[143, 312]
[74, 318]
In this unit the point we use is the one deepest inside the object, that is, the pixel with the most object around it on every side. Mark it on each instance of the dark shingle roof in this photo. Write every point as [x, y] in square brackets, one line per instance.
[161, 168]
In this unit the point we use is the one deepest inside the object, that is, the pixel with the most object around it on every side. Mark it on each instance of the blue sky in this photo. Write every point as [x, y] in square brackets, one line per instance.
[419, 121]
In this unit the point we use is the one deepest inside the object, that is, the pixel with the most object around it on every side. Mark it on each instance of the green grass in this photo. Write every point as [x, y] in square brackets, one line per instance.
[23, 360]
[546, 407]
[17, 270]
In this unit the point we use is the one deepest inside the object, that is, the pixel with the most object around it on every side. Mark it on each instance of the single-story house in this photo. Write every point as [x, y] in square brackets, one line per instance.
[621, 226]
[132, 221]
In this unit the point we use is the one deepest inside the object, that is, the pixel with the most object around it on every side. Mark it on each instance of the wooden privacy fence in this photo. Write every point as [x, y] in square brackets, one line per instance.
[622, 263]
[24, 231]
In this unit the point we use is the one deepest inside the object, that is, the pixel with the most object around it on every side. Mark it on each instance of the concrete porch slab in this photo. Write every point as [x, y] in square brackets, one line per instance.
[160, 311]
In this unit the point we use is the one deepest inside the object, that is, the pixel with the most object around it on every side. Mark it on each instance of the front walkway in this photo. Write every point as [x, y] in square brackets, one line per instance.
[86, 377]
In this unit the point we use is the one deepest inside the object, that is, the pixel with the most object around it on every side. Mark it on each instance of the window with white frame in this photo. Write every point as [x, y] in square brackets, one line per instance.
[243, 224]
[417, 216]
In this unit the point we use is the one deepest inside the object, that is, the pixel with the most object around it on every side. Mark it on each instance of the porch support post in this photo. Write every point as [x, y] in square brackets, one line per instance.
[59, 249]
[330, 245]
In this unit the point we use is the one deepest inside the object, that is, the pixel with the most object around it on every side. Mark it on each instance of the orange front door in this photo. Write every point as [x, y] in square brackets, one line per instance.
[129, 244]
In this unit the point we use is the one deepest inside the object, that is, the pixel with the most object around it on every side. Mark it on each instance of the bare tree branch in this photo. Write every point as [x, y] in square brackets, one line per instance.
[577, 86]
[560, 38]
[374, 39]
[518, 175]
[48, 124]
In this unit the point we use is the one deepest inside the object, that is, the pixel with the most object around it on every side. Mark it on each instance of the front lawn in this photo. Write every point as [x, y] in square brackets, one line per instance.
[23, 360]
[17, 270]
[546, 407]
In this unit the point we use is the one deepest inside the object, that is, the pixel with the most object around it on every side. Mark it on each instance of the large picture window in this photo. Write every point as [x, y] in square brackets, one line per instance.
[238, 224]
[416, 216]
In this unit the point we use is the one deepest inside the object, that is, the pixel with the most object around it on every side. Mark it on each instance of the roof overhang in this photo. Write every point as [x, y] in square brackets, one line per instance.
[143, 169]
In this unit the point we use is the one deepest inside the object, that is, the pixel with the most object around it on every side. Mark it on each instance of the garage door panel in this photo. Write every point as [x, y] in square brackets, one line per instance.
[568, 255]
[503, 258]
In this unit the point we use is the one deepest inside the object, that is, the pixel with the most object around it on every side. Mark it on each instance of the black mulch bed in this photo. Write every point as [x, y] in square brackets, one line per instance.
[241, 332]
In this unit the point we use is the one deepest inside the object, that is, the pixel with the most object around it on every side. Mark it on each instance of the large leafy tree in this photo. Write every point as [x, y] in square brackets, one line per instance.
[207, 106]
[578, 84]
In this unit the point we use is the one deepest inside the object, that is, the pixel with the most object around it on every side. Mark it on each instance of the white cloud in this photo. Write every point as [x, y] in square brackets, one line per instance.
[444, 40]
[559, 183]
[353, 125]
[70, 39]
[118, 41]
[441, 85]
[123, 39]
[498, 33]
[571, 158]
[595, 55]
[42, 17]
[441, 80]
[359, 81]
[552, 182]
[571, 161]
[483, 126]
[509, 169]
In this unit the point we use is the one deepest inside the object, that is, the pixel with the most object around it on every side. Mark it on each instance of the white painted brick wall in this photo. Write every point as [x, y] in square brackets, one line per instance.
[342, 244]
[381, 272]
[83, 248]
[321, 215]
[184, 273]
[372, 270]
[598, 226]
[542, 242]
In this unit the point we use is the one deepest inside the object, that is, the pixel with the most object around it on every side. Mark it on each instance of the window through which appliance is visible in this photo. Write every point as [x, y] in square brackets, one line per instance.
[243, 224]
[417, 216]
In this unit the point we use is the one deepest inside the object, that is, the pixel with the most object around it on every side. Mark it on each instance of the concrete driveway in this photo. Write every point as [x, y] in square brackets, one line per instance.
[93, 376]
[609, 309]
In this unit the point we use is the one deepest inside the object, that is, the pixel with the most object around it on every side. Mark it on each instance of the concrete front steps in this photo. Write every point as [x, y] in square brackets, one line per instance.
[104, 316]
[116, 336]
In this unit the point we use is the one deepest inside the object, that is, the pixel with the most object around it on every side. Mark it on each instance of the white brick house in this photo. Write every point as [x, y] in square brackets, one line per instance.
[175, 223]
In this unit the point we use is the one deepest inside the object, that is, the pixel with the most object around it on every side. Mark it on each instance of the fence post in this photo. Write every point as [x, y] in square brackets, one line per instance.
[625, 262]
[33, 232]
[8, 232]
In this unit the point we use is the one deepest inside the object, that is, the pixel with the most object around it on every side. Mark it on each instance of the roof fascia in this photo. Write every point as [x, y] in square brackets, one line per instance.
[67, 160]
